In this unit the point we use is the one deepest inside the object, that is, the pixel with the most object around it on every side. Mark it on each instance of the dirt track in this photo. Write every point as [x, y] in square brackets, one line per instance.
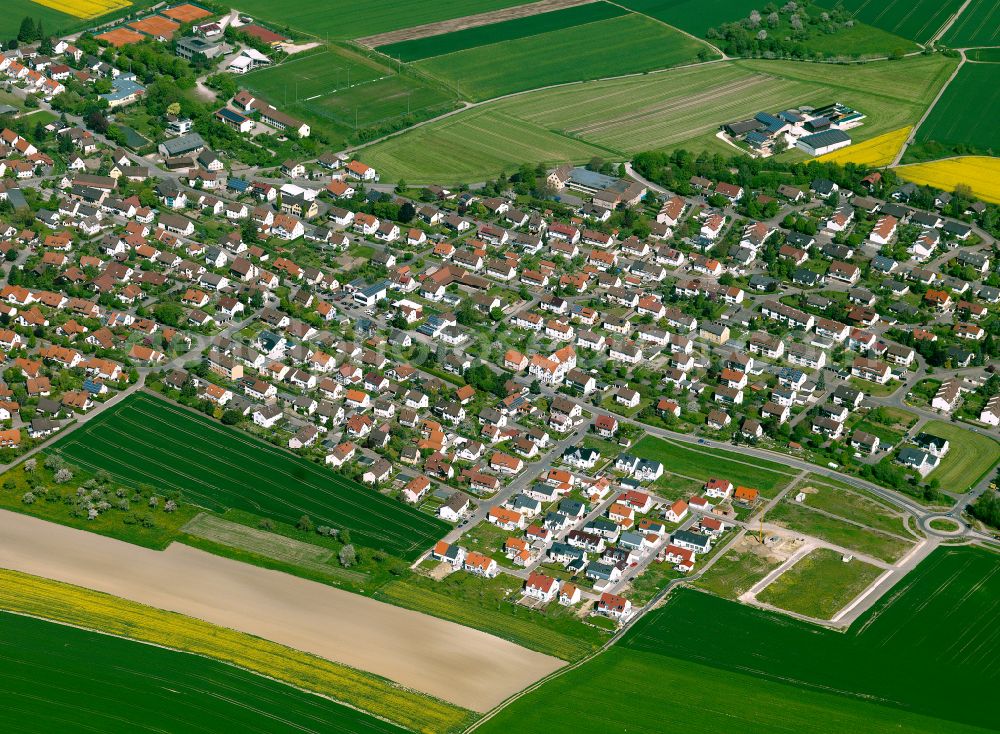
[468, 21]
[454, 663]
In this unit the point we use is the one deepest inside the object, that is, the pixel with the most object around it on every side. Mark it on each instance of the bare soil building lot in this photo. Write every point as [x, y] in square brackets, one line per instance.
[455, 663]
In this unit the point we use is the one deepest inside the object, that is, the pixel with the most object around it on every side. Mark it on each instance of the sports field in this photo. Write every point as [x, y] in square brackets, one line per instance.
[681, 108]
[918, 20]
[820, 584]
[967, 112]
[978, 25]
[509, 30]
[627, 44]
[979, 172]
[62, 679]
[149, 440]
[339, 19]
[924, 660]
[970, 456]
[340, 91]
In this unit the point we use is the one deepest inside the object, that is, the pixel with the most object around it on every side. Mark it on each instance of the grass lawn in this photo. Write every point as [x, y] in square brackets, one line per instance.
[856, 506]
[703, 464]
[624, 45]
[746, 670]
[971, 455]
[963, 114]
[680, 108]
[482, 603]
[801, 519]
[72, 605]
[820, 584]
[736, 572]
[147, 439]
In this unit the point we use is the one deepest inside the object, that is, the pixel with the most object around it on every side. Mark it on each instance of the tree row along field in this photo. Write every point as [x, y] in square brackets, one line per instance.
[900, 667]
[149, 440]
[680, 108]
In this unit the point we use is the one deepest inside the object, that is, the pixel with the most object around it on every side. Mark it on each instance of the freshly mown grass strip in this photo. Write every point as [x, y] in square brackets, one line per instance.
[743, 670]
[860, 539]
[917, 20]
[55, 678]
[978, 25]
[508, 30]
[628, 44]
[968, 109]
[981, 173]
[26, 594]
[702, 463]
[339, 19]
[481, 603]
[969, 457]
[149, 440]
[820, 584]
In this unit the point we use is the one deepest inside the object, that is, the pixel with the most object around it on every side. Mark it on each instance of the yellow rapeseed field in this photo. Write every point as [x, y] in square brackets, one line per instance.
[981, 173]
[94, 610]
[84, 8]
[878, 151]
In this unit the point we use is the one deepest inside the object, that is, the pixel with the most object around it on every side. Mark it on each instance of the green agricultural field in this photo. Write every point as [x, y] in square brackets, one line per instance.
[978, 25]
[967, 112]
[680, 108]
[971, 455]
[711, 665]
[149, 440]
[984, 55]
[59, 678]
[340, 19]
[917, 20]
[820, 584]
[54, 21]
[508, 30]
[858, 537]
[628, 44]
[702, 464]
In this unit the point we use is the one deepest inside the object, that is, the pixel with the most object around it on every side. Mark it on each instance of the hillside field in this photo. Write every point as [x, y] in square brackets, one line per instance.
[59, 678]
[979, 172]
[341, 19]
[917, 20]
[978, 25]
[680, 108]
[968, 110]
[58, 16]
[710, 665]
[627, 44]
[149, 440]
